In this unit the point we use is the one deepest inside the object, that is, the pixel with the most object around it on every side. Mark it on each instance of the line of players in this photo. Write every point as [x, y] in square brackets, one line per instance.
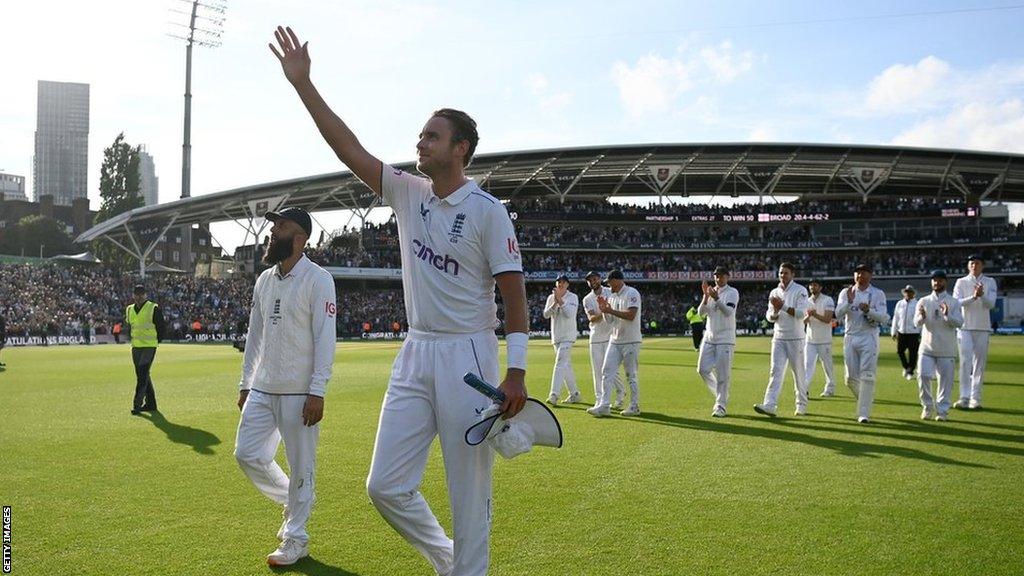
[802, 338]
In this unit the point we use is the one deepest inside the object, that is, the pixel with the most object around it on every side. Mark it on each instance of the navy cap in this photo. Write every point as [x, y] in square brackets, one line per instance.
[814, 281]
[719, 270]
[909, 288]
[562, 277]
[297, 215]
[975, 257]
[139, 289]
[616, 275]
[938, 274]
[591, 273]
[864, 268]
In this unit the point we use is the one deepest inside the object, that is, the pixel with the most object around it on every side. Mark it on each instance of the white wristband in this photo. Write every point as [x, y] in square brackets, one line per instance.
[516, 342]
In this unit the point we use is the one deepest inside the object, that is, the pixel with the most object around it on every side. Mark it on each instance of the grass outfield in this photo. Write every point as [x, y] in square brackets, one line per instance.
[95, 490]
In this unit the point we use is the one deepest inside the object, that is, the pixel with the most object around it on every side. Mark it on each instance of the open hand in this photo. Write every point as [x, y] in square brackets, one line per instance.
[294, 55]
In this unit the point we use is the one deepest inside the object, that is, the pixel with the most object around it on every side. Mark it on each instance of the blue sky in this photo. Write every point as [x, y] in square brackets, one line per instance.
[533, 74]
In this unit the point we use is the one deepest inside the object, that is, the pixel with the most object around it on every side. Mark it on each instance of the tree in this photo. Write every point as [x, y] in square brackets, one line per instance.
[33, 232]
[119, 190]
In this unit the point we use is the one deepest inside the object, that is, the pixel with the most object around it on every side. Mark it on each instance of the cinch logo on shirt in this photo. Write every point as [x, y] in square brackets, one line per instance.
[426, 253]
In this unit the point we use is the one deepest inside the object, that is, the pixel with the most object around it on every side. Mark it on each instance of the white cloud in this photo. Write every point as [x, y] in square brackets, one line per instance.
[996, 126]
[547, 100]
[725, 63]
[654, 83]
[902, 86]
[761, 133]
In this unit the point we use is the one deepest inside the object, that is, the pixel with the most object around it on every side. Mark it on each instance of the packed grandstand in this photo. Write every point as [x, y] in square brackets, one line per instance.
[588, 209]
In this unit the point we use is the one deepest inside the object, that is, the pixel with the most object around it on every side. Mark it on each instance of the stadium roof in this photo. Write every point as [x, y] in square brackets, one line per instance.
[809, 171]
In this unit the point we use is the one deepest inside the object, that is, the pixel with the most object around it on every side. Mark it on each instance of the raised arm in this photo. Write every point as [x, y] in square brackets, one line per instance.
[295, 62]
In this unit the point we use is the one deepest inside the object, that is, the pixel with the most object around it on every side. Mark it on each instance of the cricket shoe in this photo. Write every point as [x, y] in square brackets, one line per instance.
[288, 553]
[827, 394]
[599, 411]
[940, 417]
[718, 412]
[631, 411]
[762, 409]
[962, 404]
[927, 414]
[862, 419]
[617, 405]
[553, 400]
[572, 399]
[974, 405]
[800, 411]
[910, 376]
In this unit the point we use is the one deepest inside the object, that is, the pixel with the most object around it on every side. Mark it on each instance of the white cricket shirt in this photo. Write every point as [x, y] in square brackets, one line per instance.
[451, 250]
[860, 322]
[819, 332]
[975, 310]
[721, 316]
[625, 331]
[788, 327]
[938, 332]
[600, 332]
[563, 317]
[290, 345]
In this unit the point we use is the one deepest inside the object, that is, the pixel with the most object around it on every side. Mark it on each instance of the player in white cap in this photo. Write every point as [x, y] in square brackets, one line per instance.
[976, 293]
[456, 243]
[623, 306]
[561, 308]
[289, 355]
[821, 310]
[863, 310]
[787, 307]
[938, 316]
[600, 333]
[714, 362]
[905, 332]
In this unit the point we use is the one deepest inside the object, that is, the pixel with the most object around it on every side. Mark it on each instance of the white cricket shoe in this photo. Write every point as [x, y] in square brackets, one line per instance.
[284, 523]
[718, 412]
[553, 399]
[940, 417]
[573, 399]
[288, 553]
[800, 411]
[974, 405]
[962, 404]
[617, 405]
[762, 409]
[599, 411]
[862, 419]
[631, 411]
[827, 393]
[927, 414]
[909, 376]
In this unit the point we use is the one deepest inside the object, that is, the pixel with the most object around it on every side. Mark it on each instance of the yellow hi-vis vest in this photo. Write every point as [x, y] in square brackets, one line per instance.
[694, 317]
[143, 329]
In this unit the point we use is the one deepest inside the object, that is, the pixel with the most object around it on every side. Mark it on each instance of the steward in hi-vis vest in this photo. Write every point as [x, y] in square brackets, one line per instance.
[147, 324]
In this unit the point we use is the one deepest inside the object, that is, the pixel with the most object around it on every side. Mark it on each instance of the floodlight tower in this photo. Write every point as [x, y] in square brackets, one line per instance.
[212, 15]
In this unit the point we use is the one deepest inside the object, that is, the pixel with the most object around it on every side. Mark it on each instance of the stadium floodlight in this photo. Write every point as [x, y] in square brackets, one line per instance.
[211, 13]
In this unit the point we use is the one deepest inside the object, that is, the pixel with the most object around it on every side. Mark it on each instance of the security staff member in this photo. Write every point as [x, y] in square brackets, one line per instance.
[147, 324]
[696, 326]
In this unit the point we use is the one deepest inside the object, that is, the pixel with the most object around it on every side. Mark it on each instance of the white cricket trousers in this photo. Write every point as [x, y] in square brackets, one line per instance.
[563, 372]
[928, 367]
[786, 353]
[426, 397]
[860, 356]
[714, 364]
[973, 357]
[597, 352]
[813, 353]
[627, 356]
[266, 420]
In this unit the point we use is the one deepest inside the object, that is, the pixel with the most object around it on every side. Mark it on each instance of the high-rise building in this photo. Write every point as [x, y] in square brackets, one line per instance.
[149, 184]
[62, 142]
[12, 187]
